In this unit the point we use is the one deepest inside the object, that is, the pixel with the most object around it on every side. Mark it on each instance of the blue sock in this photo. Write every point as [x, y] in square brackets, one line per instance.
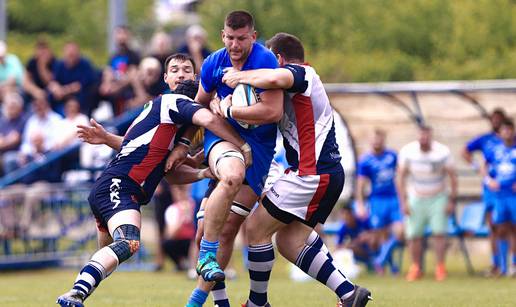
[197, 298]
[386, 251]
[503, 251]
[513, 259]
[207, 246]
[220, 297]
[315, 241]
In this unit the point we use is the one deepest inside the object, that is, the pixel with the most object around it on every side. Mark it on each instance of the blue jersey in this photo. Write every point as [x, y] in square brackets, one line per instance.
[483, 143]
[149, 140]
[353, 232]
[380, 170]
[262, 139]
[502, 161]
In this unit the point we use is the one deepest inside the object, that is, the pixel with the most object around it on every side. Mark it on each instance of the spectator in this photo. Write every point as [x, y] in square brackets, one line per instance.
[68, 126]
[12, 123]
[196, 45]
[377, 169]
[354, 234]
[11, 71]
[39, 70]
[73, 76]
[179, 227]
[147, 82]
[40, 136]
[424, 165]
[483, 144]
[161, 47]
[500, 172]
[116, 82]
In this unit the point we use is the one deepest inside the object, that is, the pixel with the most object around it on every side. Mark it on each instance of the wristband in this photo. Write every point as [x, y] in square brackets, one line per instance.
[245, 148]
[184, 141]
[228, 113]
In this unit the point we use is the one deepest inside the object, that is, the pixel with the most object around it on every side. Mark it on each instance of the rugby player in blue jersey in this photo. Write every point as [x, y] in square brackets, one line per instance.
[236, 189]
[378, 168]
[483, 144]
[130, 179]
[500, 171]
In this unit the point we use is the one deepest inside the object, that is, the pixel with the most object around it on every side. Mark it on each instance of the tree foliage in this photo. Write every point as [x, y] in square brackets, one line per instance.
[79, 20]
[388, 40]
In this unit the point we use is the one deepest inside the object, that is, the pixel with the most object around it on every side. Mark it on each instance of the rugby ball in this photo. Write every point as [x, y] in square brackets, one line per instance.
[244, 95]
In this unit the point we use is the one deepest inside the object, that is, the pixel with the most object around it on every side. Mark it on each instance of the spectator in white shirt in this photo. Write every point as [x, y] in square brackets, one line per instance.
[424, 197]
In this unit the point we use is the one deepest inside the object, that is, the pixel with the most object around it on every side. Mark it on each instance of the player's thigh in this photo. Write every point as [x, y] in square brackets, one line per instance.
[103, 238]
[261, 226]
[437, 215]
[125, 217]
[225, 159]
[501, 212]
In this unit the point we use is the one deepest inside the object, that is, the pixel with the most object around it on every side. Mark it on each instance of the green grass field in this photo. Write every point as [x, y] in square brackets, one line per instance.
[40, 288]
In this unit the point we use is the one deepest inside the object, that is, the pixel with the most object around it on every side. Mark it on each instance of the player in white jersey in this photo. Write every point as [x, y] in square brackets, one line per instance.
[423, 168]
[308, 190]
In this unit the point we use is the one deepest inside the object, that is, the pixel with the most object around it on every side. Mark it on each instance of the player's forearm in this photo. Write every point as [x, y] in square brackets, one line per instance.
[359, 192]
[401, 186]
[270, 110]
[114, 141]
[185, 174]
[266, 78]
[218, 126]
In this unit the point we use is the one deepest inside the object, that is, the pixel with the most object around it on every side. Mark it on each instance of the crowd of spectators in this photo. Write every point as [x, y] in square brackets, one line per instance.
[59, 92]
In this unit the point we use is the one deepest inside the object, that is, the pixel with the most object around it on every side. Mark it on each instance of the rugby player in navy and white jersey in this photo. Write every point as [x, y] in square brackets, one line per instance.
[130, 179]
[306, 194]
[234, 182]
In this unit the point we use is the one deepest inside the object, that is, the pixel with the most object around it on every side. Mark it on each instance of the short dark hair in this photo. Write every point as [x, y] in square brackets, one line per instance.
[181, 57]
[288, 46]
[425, 127]
[239, 19]
[508, 122]
[500, 112]
[188, 88]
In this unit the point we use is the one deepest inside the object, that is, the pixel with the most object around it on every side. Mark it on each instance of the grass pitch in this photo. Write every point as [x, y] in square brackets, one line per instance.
[41, 288]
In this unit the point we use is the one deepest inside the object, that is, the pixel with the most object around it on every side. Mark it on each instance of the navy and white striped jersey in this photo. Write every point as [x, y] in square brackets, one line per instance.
[149, 140]
[307, 125]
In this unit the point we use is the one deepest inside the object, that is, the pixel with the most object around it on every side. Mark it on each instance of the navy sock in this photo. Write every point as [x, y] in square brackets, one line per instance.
[220, 297]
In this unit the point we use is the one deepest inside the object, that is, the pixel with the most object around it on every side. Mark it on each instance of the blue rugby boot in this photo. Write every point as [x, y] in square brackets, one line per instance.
[209, 269]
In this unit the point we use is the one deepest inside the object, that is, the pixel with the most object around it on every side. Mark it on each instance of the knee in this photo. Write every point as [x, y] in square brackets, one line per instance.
[232, 179]
[126, 242]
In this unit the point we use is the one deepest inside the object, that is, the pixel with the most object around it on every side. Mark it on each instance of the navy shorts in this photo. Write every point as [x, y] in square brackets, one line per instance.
[112, 194]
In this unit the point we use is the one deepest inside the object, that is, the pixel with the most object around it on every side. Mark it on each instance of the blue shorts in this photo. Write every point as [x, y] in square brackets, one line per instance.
[504, 209]
[263, 153]
[112, 194]
[488, 198]
[384, 211]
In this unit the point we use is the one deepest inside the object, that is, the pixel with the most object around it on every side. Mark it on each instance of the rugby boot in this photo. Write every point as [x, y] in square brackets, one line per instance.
[359, 298]
[247, 304]
[209, 269]
[440, 272]
[72, 298]
[414, 273]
